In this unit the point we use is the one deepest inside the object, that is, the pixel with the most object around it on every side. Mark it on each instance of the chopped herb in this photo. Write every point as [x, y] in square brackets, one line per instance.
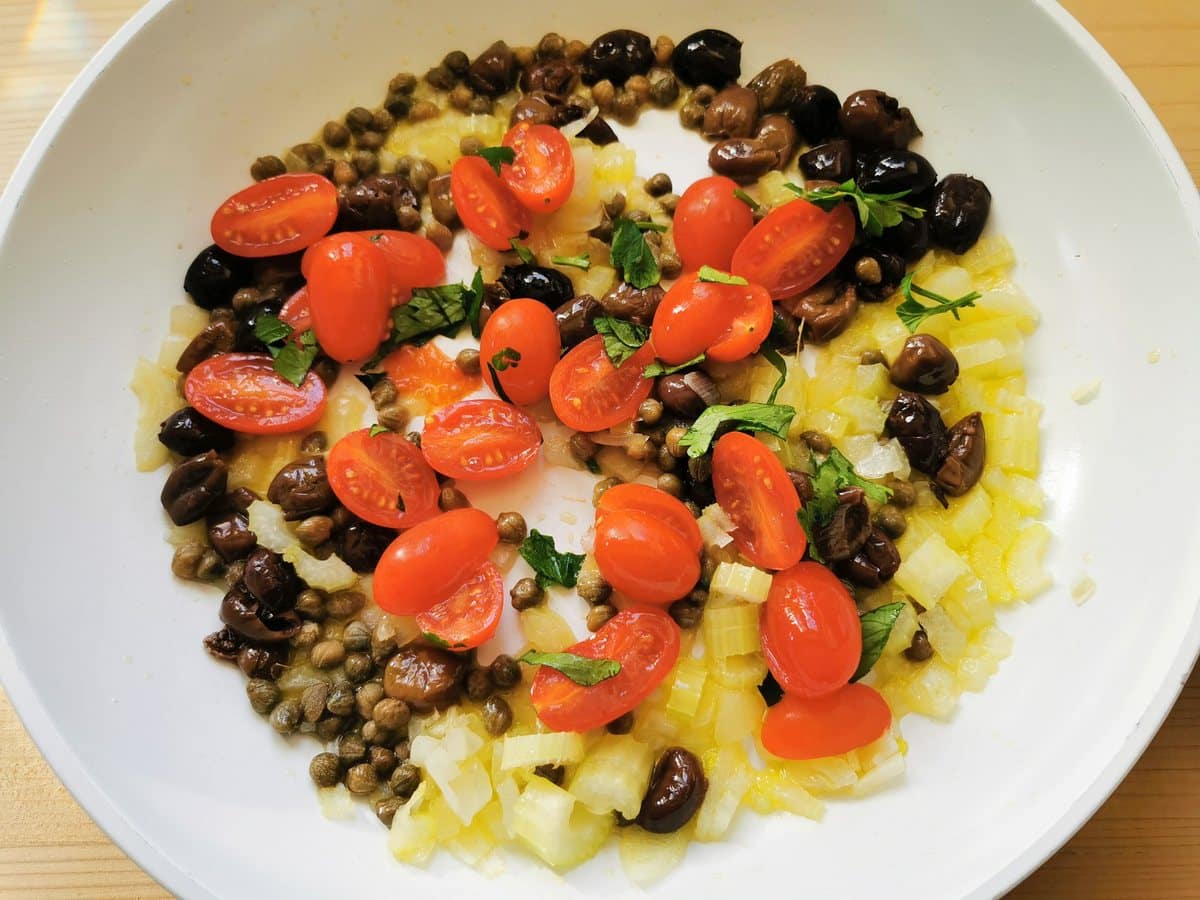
[430, 638]
[271, 329]
[647, 225]
[771, 355]
[913, 312]
[622, 339]
[292, 360]
[524, 252]
[716, 276]
[828, 477]
[431, 311]
[506, 359]
[473, 303]
[770, 690]
[875, 211]
[768, 417]
[632, 255]
[658, 367]
[877, 625]
[582, 261]
[552, 567]
[377, 430]
[580, 669]
[500, 392]
[593, 466]
[747, 199]
[497, 155]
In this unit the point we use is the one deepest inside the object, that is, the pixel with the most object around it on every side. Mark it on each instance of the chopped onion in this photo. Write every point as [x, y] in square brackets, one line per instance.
[572, 129]
[703, 386]
[557, 452]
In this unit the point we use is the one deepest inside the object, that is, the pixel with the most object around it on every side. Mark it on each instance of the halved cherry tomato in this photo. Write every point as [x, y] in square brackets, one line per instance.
[432, 560]
[810, 633]
[644, 557]
[276, 216]
[656, 503]
[645, 642]
[296, 312]
[542, 172]
[522, 343]
[794, 247]
[243, 391]
[589, 393]
[484, 203]
[469, 616]
[383, 479]
[412, 261]
[754, 490]
[709, 223]
[726, 322]
[809, 728]
[426, 377]
[349, 294]
[478, 440]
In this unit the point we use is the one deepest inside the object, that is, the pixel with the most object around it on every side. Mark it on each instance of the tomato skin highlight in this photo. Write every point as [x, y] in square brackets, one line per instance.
[279, 215]
[646, 644]
[726, 322]
[242, 391]
[754, 490]
[589, 393]
[349, 295]
[296, 313]
[809, 630]
[709, 223]
[470, 616]
[370, 475]
[412, 262]
[656, 503]
[794, 247]
[531, 330]
[429, 562]
[645, 558]
[810, 728]
[479, 440]
[542, 172]
[484, 203]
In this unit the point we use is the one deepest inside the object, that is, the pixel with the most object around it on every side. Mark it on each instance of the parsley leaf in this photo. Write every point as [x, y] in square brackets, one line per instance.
[580, 669]
[647, 225]
[708, 273]
[431, 311]
[877, 627]
[552, 567]
[658, 367]
[771, 355]
[497, 155]
[430, 638]
[292, 360]
[875, 211]
[378, 429]
[473, 303]
[622, 339]
[271, 329]
[632, 255]
[582, 261]
[747, 199]
[830, 476]
[751, 417]
[506, 359]
[913, 312]
[524, 252]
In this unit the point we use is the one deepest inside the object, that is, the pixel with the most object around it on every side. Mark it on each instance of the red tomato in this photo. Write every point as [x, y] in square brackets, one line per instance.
[296, 313]
[243, 391]
[412, 262]
[794, 247]
[810, 633]
[522, 342]
[809, 728]
[469, 616]
[727, 322]
[709, 223]
[756, 493]
[349, 293]
[542, 172]
[646, 644]
[276, 216]
[656, 503]
[484, 203]
[644, 557]
[432, 560]
[383, 479]
[478, 440]
[589, 393]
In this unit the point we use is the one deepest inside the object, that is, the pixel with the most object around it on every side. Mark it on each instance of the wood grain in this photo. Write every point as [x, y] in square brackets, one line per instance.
[1144, 843]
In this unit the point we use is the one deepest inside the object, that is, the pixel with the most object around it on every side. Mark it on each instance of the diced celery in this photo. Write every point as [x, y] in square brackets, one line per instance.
[1015, 446]
[826, 421]
[336, 802]
[465, 785]
[934, 690]
[822, 776]
[686, 687]
[928, 572]
[329, 574]
[529, 750]
[546, 630]
[613, 776]
[508, 794]
[968, 516]
[872, 381]
[1024, 561]
[987, 559]
[413, 837]
[734, 581]
[746, 670]
[729, 776]
[864, 414]
[647, 857]
[187, 320]
[990, 253]
[968, 605]
[774, 789]
[883, 460]
[269, 526]
[715, 526]
[556, 828]
[947, 638]
[731, 630]
[168, 354]
[739, 714]
[997, 643]
[879, 776]
[154, 387]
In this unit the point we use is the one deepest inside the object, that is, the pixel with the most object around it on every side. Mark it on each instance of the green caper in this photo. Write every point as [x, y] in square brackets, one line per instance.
[582, 447]
[685, 613]
[599, 614]
[366, 696]
[267, 167]
[526, 594]
[352, 749]
[511, 527]
[623, 724]
[356, 637]
[658, 184]
[387, 808]
[362, 779]
[650, 411]
[891, 521]
[591, 586]
[674, 436]
[405, 779]
[903, 492]
[391, 714]
[312, 701]
[452, 498]
[382, 760]
[263, 695]
[497, 715]
[602, 486]
[468, 361]
[335, 134]
[358, 667]
[325, 769]
[817, 442]
[340, 701]
[506, 672]
[479, 684]
[285, 718]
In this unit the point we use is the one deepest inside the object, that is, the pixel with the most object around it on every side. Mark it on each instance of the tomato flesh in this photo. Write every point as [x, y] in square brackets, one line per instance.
[726, 322]
[383, 479]
[589, 393]
[709, 222]
[412, 262]
[242, 391]
[276, 216]
[656, 503]
[542, 172]
[349, 295]
[645, 558]
[646, 644]
[469, 616]
[484, 203]
[478, 440]
[794, 247]
[522, 343]
[426, 377]
[754, 490]
[810, 728]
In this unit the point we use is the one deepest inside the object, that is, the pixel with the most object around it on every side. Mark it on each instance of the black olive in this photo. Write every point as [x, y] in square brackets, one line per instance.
[815, 113]
[372, 203]
[635, 304]
[875, 272]
[677, 788]
[599, 132]
[909, 239]
[874, 564]
[846, 531]
[493, 71]
[829, 162]
[554, 76]
[214, 276]
[548, 286]
[187, 433]
[576, 319]
[246, 340]
[617, 55]
[966, 450]
[875, 119]
[918, 426]
[893, 171]
[538, 108]
[279, 272]
[709, 56]
[194, 486]
[825, 309]
[242, 612]
[270, 580]
[301, 489]
[925, 365]
[959, 211]
[230, 535]
[362, 543]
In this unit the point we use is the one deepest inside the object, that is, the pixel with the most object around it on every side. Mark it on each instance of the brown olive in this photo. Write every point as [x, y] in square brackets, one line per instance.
[677, 788]
[193, 486]
[803, 484]
[875, 562]
[493, 71]
[826, 309]
[263, 662]
[424, 677]
[709, 56]
[224, 644]
[230, 535]
[918, 426]
[576, 319]
[966, 450]
[635, 304]
[441, 204]
[846, 531]
[188, 433]
[959, 211]
[742, 159]
[875, 119]
[925, 365]
[250, 619]
[301, 489]
[815, 113]
[829, 162]
[537, 109]
[362, 543]
[680, 397]
[271, 580]
[778, 85]
[555, 76]
[778, 134]
[732, 113]
[372, 203]
[617, 55]
[622, 724]
[216, 337]
[599, 132]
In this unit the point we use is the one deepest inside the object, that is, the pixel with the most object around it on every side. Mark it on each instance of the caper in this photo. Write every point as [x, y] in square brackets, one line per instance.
[599, 614]
[285, 718]
[351, 749]
[325, 769]
[497, 715]
[452, 498]
[391, 714]
[506, 671]
[591, 586]
[263, 695]
[362, 779]
[511, 527]
[526, 594]
[479, 684]
[405, 779]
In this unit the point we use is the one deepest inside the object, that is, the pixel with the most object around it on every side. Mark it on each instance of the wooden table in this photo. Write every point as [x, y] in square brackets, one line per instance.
[1144, 843]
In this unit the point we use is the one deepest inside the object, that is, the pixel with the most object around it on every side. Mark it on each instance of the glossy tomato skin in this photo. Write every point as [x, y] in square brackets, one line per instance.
[794, 247]
[486, 206]
[646, 644]
[810, 728]
[371, 475]
[810, 633]
[429, 562]
[412, 262]
[479, 440]
[469, 616]
[542, 172]
[710, 221]
[589, 393]
[656, 503]
[529, 330]
[296, 313]
[726, 322]
[276, 216]
[349, 294]
[644, 557]
[243, 392]
[754, 490]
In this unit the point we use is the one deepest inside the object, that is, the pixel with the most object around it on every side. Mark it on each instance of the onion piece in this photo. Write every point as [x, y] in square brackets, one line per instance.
[572, 129]
[704, 387]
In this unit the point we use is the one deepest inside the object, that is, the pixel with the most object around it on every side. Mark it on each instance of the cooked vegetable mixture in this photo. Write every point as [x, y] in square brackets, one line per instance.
[798, 385]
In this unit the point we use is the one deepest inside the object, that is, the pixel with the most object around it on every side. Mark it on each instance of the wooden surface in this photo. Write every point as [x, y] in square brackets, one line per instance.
[1144, 843]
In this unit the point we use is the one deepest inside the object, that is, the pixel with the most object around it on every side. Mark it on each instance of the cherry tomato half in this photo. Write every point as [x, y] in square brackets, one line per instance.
[484, 203]
[349, 294]
[522, 343]
[243, 391]
[644, 557]
[656, 503]
[726, 322]
[809, 728]
[276, 216]
[383, 479]
[755, 491]
[710, 221]
[810, 633]
[412, 262]
[469, 616]
[478, 440]
[296, 313]
[589, 393]
[429, 562]
[794, 247]
[542, 172]
[646, 644]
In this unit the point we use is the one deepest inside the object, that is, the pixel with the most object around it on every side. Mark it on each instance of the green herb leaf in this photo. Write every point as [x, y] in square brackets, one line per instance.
[271, 329]
[506, 359]
[716, 276]
[877, 625]
[378, 429]
[658, 367]
[524, 252]
[552, 567]
[747, 199]
[293, 362]
[751, 417]
[771, 355]
[580, 669]
[582, 261]
[875, 211]
[430, 638]
[632, 255]
[431, 311]
[829, 477]
[647, 225]
[622, 339]
[473, 303]
[913, 312]
[495, 156]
